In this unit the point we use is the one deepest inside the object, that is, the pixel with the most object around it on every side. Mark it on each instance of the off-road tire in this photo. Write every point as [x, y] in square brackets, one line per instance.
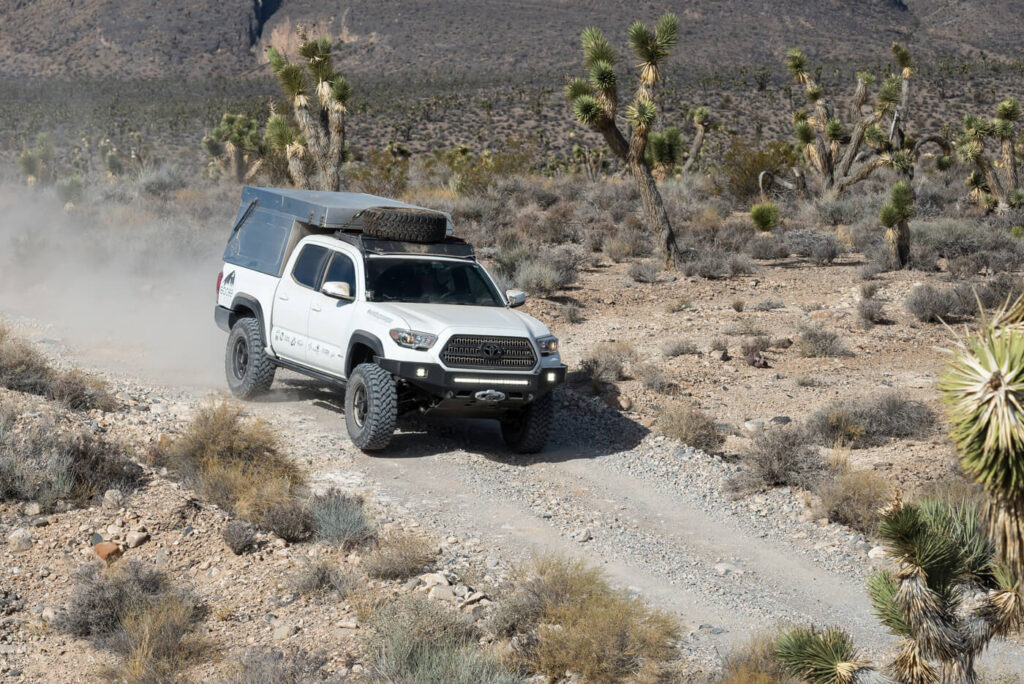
[371, 407]
[249, 370]
[406, 225]
[526, 431]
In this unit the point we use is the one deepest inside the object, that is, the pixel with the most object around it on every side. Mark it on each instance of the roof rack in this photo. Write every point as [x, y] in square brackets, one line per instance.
[449, 247]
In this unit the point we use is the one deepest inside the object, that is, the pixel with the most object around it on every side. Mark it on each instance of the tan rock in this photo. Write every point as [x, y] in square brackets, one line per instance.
[108, 551]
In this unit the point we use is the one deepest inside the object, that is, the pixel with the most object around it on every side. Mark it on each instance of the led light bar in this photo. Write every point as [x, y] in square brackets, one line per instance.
[492, 381]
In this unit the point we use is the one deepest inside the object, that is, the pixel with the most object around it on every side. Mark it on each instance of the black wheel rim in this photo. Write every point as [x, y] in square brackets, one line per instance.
[360, 406]
[240, 358]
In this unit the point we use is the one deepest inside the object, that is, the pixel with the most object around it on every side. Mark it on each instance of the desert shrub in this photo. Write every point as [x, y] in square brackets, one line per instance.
[570, 312]
[768, 305]
[572, 620]
[161, 182]
[765, 216]
[815, 342]
[508, 259]
[607, 361]
[22, 368]
[653, 377]
[713, 263]
[133, 609]
[754, 662]
[965, 266]
[677, 305]
[691, 427]
[414, 639]
[644, 272]
[855, 498]
[742, 163]
[869, 311]
[719, 344]
[79, 391]
[46, 464]
[70, 189]
[763, 246]
[239, 535]
[340, 518]
[630, 242]
[232, 462]
[755, 345]
[674, 348]
[845, 210]
[868, 290]
[745, 326]
[321, 576]
[778, 458]
[737, 305]
[820, 247]
[539, 277]
[930, 305]
[398, 555]
[871, 421]
[272, 666]
[290, 520]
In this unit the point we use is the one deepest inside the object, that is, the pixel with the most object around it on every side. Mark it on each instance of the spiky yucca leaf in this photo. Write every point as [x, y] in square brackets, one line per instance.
[944, 163]
[652, 47]
[874, 136]
[911, 667]
[1008, 110]
[293, 80]
[834, 129]
[276, 59]
[341, 90]
[641, 113]
[804, 132]
[814, 94]
[701, 115]
[902, 56]
[888, 94]
[666, 30]
[796, 62]
[968, 150]
[928, 612]
[602, 76]
[962, 523]
[882, 588]
[888, 215]
[665, 148]
[577, 87]
[596, 47]
[1007, 602]
[280, 133]
[588, 110]
[821, 657]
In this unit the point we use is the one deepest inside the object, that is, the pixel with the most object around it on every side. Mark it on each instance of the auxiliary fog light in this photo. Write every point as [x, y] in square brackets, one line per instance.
[421, 372]
[552, 377]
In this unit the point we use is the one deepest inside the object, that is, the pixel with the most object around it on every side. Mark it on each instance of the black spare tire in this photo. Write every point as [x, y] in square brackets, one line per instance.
[406, 225]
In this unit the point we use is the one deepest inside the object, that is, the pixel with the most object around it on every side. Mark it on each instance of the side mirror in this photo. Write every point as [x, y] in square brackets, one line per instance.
[515, 298]
[337, 290]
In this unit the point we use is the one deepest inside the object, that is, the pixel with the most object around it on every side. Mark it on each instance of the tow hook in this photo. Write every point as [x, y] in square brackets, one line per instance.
[490, 395]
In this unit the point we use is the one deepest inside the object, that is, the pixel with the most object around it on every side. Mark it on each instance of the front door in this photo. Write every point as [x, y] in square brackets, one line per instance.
[289, 334]
[330, 319]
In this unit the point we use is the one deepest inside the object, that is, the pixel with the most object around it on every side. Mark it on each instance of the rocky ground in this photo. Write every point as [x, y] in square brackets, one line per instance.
[651, 511]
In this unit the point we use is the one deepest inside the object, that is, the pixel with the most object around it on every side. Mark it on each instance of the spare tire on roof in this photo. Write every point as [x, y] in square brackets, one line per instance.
[407, 225]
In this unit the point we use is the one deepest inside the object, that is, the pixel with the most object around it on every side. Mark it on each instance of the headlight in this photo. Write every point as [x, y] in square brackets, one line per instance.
[413, 339]
[548, 345]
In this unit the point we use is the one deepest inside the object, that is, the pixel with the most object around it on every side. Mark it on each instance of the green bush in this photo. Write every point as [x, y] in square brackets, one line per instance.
[765, 216]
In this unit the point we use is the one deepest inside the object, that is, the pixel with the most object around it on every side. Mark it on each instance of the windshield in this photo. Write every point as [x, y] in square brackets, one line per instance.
[429, 281]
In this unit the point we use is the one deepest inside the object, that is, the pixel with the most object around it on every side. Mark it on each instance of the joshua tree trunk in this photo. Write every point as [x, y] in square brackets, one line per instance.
[1010, 163]
[991, 178]
[297, 166]
[897, 239]
[695, 148]
[654, 209]
[315, 139]
[1006, 522]
[336, 151]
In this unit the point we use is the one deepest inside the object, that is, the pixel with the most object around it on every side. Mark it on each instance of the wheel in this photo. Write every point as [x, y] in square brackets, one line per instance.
[371, 407]
[406, 225]
[250, 372]
[526, 431]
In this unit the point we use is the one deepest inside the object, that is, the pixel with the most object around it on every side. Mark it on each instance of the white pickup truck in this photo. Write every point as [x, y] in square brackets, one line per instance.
[377, 297]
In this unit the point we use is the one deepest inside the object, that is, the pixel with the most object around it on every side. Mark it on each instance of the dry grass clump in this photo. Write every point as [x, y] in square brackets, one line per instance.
[414, 639]
[44, 462]
[677, 305]
[929, 305]
[570, 312]
[240, 536]
[754, 662]
[322, 576]
[608, 361]
[644, 272]
[691, 427]
[290, 520]
[755, 345]
[233, 462]
[398, 555]
[272, 666]
[23, 369]
[133, 610]
[778, 458]
[674, 348]
[870, 312]
[340, 519]
[653, 377]
[870, 421]
[567, 618]
[854, 498]
[815, 342]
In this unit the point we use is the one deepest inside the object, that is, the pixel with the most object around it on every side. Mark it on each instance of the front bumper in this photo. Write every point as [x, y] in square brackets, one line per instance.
[467, 389]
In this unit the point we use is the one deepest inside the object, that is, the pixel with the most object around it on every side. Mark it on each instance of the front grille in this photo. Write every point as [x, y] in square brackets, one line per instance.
[478, 351]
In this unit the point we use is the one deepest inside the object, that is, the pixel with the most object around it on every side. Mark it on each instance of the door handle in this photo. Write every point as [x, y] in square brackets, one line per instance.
[316, 306]
[283, 297]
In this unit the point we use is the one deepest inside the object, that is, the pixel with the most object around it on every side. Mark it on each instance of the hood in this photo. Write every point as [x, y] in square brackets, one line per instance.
[438, 318]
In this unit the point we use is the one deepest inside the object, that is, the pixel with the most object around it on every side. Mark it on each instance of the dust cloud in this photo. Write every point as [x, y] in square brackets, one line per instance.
[128, 287]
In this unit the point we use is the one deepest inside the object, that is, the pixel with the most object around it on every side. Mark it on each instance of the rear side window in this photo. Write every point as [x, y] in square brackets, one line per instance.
[260, 243]
[309, 265]
[341, 270]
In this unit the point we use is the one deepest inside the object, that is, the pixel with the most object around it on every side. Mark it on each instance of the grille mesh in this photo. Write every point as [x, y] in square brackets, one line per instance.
[471, 351]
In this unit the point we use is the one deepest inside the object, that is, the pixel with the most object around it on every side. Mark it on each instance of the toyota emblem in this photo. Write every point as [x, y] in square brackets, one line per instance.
[491, 350]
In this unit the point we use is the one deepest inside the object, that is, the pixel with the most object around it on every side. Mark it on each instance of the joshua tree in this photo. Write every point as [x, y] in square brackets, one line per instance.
[595, 102]
[282, 136]
[984, 181]
[665, 149]
[833, 154]
[895, 216]
[235, 146]
[983, 394]
[321, 124]
[36, 162]
[700, 117]
[944, 598]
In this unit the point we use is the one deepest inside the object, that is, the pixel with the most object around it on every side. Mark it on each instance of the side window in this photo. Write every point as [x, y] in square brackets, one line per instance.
[341, 270]
[259, 244]
[309, 265]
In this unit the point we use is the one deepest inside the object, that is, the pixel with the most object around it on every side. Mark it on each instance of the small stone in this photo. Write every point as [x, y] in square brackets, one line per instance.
[582, 536]
[492, 562]
[49, 614]
[723, 355]
[625, 403]
[348, 623]
[107, 551]
[724, 569]
[113, 498]
[282, 632]
[135, 539]
[461, 590]
[753, 427]
[781, 420]
[31, 508]
[475, 597]
[441, 593]
[434, 579]
[20, 540]
[876, 552]
[95, 538]
[411, 583]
